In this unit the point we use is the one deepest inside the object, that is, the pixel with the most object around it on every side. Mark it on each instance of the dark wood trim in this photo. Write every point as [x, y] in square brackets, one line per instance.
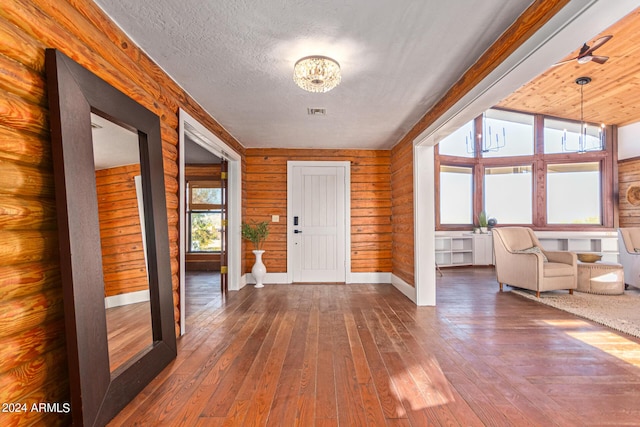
[615, 197]
[97, 394]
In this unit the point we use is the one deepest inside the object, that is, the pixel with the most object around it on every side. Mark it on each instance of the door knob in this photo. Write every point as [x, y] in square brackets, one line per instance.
[297, 231]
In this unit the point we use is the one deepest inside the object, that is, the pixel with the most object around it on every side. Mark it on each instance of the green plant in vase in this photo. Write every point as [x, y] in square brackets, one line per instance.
[257, 233]
[482, 221]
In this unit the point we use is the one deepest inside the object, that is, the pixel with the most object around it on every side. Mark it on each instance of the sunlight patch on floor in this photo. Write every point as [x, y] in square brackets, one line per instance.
[567, 323]
[435, 389]
[608, 341]
[611, 343]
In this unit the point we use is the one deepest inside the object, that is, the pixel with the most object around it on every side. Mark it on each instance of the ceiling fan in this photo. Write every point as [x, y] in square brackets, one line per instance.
[586, 53]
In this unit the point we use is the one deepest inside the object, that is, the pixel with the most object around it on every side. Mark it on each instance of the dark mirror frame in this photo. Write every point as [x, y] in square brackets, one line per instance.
[97, 394]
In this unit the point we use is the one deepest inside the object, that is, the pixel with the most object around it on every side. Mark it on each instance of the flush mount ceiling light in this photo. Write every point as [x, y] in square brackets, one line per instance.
[317, 73]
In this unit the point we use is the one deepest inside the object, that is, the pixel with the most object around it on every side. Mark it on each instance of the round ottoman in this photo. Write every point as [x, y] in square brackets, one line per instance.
[605, 278]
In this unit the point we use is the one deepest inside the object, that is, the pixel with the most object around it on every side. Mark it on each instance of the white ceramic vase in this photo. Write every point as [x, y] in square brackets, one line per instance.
[259, 271]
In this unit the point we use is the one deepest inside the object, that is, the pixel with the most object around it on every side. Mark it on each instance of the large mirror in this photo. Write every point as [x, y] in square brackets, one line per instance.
[116, 158]
[105, 370]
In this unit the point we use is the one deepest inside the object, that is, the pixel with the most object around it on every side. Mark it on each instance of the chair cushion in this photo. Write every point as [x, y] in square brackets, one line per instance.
[535, 250]
[556, 269]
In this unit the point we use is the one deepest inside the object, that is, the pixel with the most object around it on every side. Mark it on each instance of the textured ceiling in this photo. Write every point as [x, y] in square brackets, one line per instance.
[236, 59]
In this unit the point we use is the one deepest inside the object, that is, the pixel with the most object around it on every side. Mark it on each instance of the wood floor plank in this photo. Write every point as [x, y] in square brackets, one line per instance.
[284, 406]
[390, 405]
[351, 409]
[306, 409]
[223, 379]
[261, 402]
[325, 398]
[335, 355]
[362, 372]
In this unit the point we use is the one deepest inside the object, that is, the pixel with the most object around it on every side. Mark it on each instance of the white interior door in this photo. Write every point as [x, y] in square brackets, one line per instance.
[317, 221]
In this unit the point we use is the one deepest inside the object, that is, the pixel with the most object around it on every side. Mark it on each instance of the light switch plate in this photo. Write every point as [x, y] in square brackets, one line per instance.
[275, 218]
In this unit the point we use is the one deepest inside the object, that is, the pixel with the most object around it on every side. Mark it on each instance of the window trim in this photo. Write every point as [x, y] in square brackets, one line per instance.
[490, 165]
[608, 179]
[600, 165]
[196, 208]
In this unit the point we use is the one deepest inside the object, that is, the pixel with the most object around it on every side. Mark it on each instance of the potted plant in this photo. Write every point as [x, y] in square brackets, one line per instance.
[257, 233]
[482, 221]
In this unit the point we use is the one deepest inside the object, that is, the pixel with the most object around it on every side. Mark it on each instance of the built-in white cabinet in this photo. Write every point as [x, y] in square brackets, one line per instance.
[463, 249]
[454, 250]
[483, 249]
[602, 243]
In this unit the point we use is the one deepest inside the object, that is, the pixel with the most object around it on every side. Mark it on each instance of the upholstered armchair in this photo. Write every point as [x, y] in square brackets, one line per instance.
[628, 241]
[521, 262]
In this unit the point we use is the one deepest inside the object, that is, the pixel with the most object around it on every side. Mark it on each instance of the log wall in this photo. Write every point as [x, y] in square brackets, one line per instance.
[265, 194]
[628, 175]
[402, 211]
[123, 262]
[32, 346]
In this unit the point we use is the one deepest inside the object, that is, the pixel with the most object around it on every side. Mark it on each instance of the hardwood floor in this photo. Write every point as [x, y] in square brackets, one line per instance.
[129, 326]
[350, 355]
[202, 293]
[125, 341]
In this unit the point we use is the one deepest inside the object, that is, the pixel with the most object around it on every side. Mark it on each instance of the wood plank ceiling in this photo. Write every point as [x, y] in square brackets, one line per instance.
[610, 98]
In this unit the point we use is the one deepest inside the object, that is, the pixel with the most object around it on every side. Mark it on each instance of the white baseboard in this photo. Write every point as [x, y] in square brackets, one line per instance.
[369, 277]
[242, 283]
[283, 278]
[408, 290]
[126, 299]
[270, 279]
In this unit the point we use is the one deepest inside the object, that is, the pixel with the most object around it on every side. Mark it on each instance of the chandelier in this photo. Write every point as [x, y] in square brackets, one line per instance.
[589, 138]
[316, 73]
[489, 141]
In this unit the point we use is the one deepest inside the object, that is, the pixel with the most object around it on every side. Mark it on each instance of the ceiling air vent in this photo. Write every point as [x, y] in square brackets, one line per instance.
[317, 111]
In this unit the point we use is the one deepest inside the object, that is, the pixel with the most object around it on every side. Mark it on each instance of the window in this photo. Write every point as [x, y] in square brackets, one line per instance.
[459, 143]
[456, 195]
[205, 216]
[513, 130]
[205, 195]
[508, 194]
[538, 177]
[573, 193]
[555, 130]
[205, 231]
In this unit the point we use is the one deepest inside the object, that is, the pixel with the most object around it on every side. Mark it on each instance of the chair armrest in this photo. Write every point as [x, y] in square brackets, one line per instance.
[563, 257]
[527, 260]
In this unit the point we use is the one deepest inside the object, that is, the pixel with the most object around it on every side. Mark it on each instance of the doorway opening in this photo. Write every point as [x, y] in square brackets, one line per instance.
[209, 223]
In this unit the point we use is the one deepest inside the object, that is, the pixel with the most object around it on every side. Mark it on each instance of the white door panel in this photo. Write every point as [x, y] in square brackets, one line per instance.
[317, 242]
